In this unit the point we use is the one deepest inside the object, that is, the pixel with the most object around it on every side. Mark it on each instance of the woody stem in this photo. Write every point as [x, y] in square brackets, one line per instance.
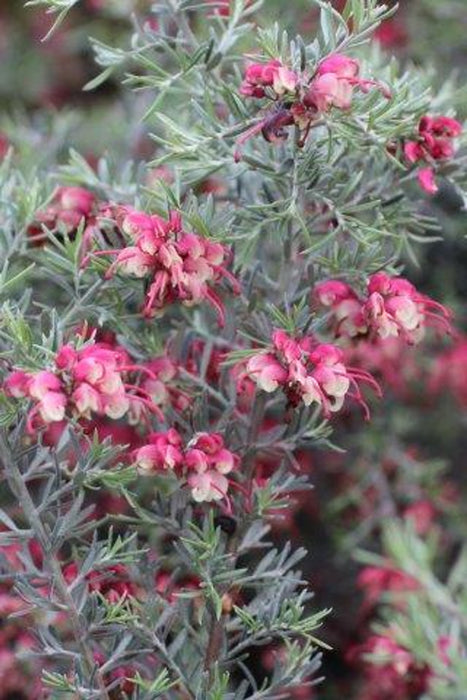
[20, 490]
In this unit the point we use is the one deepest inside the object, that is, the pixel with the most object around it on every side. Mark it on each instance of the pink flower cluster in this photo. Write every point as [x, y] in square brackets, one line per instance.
[393, 672]
[392, 307]
[450, 372]
[300, 99]
[83, 382]
[334, 82]
[434, 142]
[179, 266]
[203, 463]
[69, 207]
[307, 372]
[378, 580]
[273, 75]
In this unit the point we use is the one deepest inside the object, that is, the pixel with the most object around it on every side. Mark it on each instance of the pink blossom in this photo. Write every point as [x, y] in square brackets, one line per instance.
[208, 462]
[334, 83]
[202, 464]
[345, 305]
[285, 81]
[426, 179]
[413, 151]
[43, 382]
[266, 371]
[439, 127]
[209, 443]
[17, 384]
[116, 405]
[162, 384]
[66, 357]
[177, 265]
[83, 383]
[389, 670]
[157, 387]
[333, 292]
[134, 262]
[69, 207]
[259, 76]
[434, 142]
[331, 375]
[164, 451]
[391, 308]
[225, 461]
[297, 100]
[394, 307]
[52, 406]
[378, 580]
[208, 486]
[75, 199]
[307, 372]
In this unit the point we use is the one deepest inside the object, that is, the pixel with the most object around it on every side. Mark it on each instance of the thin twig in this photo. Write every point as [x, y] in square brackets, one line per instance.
[20, 490]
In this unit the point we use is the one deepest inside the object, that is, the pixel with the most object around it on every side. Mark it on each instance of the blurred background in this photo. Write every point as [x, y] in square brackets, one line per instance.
[41, 80]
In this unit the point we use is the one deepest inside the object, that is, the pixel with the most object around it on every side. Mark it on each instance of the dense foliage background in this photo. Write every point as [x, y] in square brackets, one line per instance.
[384, 525]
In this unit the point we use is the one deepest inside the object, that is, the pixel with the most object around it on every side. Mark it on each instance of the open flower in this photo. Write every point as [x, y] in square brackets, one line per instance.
[274, 75]
[345, 305]
[203, 463]
[208, 461]
[177, 266]
[298, 99]
[434, 142]
[394, 307]
[86, 382]
[307, 372]
[391, 308]
[163, 452]
[266, 371]
[70, 206]
[335, 80]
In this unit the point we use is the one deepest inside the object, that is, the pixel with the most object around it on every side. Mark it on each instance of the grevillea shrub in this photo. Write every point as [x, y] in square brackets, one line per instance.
[232, 352]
